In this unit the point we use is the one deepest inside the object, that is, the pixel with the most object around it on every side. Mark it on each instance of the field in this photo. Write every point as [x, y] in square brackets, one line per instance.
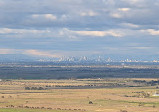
[79, 95]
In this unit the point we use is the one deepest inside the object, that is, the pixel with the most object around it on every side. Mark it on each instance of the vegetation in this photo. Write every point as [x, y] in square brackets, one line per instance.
[79, 95]
[76, 72]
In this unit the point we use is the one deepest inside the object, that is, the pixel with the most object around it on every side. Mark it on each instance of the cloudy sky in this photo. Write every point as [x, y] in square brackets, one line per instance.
[58, 28]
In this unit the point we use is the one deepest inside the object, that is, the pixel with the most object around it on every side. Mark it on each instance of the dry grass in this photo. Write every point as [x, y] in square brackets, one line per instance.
[104, 99]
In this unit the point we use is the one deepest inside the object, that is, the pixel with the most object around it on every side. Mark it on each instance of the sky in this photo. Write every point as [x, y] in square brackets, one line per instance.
[56, 28]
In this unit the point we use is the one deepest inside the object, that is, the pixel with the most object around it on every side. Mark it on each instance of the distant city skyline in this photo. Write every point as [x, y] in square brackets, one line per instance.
[78, 59]
[58, 28]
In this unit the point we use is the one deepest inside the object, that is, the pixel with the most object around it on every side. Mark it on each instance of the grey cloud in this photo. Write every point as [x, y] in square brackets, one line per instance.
[80, 25]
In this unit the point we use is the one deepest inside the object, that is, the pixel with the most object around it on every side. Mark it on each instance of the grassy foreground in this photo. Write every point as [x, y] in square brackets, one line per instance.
[29, 110]
[91, 95]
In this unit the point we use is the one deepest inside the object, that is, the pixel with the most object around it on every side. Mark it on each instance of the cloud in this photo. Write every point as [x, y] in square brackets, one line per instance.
[89, 13]
[151, 31]
[44, 16]
[100, 33]
[65, 32]
[31, 52]
[130, 25]
[7, 51]
[45, 27]
[47, 53]
[11, 51]
[124, 9]
[20, 31]
[116, 15]
[75, 34]
[41, 53]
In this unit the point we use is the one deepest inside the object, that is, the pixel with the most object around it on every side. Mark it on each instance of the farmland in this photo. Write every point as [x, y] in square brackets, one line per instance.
[79, 95]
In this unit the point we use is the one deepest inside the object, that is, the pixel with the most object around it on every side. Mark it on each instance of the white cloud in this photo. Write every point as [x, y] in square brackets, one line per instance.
[124, 9]
[31, 52]
[41, 53]
[21, 31]
[133, 1]
[89, 13]
[50, 16]
[57, 24]
[5, 30]
[120, 13]
[44, 16]
[116, 15]
[11, 51]
[100, 33]
[143, 48]
[130, 25]
[7, 51]
[151, 31]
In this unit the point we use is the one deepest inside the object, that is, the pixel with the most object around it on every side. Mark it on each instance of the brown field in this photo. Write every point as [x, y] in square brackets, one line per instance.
[77, 95]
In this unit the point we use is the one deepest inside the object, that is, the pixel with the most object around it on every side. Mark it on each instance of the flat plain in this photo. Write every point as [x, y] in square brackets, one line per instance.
[80, 95]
